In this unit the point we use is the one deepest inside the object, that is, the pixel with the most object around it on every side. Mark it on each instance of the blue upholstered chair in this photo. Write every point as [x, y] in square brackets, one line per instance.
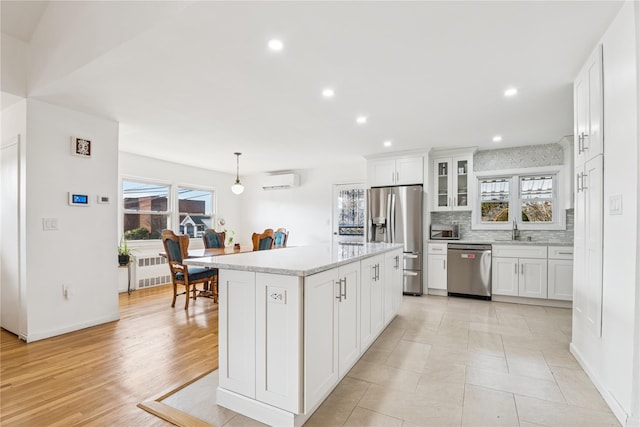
[263, 241]
[213, 239]
[281, 237]
[176, 248]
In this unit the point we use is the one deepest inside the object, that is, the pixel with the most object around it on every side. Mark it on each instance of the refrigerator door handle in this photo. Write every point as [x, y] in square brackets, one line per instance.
[391, 219]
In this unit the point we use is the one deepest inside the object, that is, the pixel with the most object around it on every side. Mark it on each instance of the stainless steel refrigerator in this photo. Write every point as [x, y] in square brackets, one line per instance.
[394, 215]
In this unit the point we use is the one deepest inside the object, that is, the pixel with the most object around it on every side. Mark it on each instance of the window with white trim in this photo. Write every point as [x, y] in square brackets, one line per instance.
[531, 200]
[146, 209]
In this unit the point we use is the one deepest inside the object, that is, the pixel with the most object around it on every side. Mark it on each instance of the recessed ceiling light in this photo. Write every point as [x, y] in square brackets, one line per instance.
[387, 144]
[361, 120]
[275, 44]
[512, 91]
[497, 138]
[328, 93]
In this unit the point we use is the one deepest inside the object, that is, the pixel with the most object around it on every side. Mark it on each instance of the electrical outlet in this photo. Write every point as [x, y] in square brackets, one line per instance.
[50, 224]
[277, 295]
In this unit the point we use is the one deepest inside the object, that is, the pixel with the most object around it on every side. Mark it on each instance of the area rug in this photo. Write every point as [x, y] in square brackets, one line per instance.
[193, 404]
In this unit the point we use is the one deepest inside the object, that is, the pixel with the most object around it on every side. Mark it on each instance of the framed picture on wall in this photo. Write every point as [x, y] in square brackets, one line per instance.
[81, 147]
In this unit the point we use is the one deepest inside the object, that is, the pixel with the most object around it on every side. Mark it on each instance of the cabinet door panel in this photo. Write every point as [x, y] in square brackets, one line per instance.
[237, 306]
[392, 284]
[320, 336]
[533, 278]
[382, 172]
[278, 341]
[593, 254]
[561, 279]
[504, 276]
[367, 276]
[442, 184]
[437, 272]
[409, 171]
[348, 318]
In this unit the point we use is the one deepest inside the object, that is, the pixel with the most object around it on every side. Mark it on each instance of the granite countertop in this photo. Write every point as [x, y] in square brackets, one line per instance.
[295, 261]
[506, 242]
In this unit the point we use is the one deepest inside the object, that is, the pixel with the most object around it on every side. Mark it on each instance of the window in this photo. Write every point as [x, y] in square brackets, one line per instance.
[195, 209]
[531, 200]
[494, 200]
[146, 209]
[351, 212]
[536, 199]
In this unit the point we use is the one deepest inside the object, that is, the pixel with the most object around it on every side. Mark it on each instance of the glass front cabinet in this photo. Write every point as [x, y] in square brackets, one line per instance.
[452, 183]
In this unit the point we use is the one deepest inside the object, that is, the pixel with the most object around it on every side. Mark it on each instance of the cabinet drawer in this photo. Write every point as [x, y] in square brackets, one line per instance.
[437, 248]
[560, 252]
[519, 251]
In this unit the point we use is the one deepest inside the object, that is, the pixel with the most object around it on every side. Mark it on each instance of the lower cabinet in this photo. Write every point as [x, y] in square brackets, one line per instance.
[371, 298]
[533, 271]
[437, 266]
[561, 273]
[519, 271]
[392, 284]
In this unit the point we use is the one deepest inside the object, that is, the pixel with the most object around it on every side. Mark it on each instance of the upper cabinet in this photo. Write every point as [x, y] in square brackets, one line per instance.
[588, 109]
[396, 171]
[452, 183]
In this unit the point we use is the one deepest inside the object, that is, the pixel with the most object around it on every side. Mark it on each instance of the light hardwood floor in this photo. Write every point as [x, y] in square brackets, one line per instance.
[98, 375]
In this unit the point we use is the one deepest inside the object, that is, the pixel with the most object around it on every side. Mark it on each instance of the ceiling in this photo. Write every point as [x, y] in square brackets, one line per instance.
[194, 81]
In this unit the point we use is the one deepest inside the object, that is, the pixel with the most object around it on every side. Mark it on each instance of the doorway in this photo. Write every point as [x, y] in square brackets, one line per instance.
[349, 213]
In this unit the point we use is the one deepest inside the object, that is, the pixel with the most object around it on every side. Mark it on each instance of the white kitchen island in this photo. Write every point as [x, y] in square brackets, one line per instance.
[293, 321]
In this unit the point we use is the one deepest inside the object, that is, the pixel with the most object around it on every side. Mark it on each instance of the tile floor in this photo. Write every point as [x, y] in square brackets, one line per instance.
[461, 362]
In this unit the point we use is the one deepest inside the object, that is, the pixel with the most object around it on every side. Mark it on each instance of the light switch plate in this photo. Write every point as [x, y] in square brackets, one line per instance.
[50, 224]
[615, 204]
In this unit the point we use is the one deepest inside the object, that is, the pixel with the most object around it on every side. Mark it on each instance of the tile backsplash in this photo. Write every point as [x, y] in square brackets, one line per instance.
[463, 219]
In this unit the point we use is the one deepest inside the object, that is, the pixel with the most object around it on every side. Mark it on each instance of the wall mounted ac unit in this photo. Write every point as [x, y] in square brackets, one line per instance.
[278, 182]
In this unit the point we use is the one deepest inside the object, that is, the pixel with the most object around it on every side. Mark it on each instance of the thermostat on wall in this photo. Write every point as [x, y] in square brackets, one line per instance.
[78, 199]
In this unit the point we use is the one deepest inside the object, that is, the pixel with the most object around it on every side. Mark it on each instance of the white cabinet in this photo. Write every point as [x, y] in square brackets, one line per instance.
[396, 171]
[560, 266]
[588, 109]
[519, 270]
[392, 284]
[452, 183]
[437, 266]
[320, 335]
[371, 299]
[237, 364]
[331, 329]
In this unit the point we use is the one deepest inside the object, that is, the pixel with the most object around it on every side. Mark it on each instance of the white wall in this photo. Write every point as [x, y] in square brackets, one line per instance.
[82, 253]
[609, 360]
[306, 210]
[227, 205]
[14, 61]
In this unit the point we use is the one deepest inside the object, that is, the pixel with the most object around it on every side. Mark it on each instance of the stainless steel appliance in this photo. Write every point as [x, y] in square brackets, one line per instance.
[394, 215]
[445, 232]
[469, 270]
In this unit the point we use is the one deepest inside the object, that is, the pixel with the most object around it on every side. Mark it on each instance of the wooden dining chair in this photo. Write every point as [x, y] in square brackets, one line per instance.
[213, 239]
[281, 237]
[176, 248]
[264, 240]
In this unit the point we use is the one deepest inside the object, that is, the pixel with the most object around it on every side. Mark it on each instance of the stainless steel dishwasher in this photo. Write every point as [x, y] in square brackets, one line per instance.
[469, 270]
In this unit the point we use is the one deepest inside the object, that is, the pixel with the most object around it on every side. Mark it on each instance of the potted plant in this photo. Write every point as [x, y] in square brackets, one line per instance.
[124, 252]
[230, 239]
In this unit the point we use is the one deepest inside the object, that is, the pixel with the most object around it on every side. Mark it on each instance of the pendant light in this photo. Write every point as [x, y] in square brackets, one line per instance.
[237, 188]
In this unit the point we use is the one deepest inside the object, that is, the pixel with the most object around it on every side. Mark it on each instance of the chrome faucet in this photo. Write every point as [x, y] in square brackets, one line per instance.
[515, 233]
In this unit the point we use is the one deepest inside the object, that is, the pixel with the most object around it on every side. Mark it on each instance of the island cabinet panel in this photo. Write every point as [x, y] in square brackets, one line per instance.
[322, 291]
[238, 331]
[371, 299]
[348, 317]
[392, 284]
[279, 341]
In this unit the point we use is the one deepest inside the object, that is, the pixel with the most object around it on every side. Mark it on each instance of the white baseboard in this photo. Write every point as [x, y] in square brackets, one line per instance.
[532, 301]
[615, 407]
[72, 328]
[438, 292]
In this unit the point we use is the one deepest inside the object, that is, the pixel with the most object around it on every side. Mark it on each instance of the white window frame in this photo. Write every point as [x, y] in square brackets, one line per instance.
[515, 202]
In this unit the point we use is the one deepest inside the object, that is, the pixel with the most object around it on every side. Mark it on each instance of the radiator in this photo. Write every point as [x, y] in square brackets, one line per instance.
[150, 271]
